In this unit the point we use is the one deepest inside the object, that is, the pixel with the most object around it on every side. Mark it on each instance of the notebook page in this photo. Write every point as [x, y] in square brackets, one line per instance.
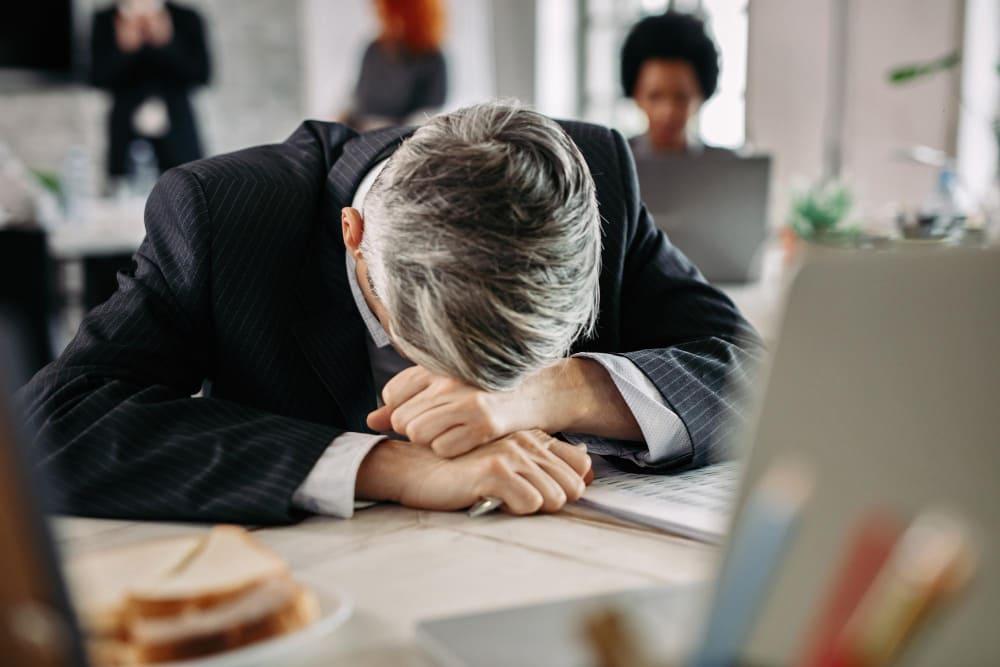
[695, 503]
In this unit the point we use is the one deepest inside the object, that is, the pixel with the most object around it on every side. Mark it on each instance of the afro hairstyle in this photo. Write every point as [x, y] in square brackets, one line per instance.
[671, 36]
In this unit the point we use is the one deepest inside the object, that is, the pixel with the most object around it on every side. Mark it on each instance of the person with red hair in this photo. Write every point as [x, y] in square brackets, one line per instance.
[403, 71]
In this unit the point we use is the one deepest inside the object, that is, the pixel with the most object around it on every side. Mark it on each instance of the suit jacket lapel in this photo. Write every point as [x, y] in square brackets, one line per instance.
[330, 331]
[360, 154]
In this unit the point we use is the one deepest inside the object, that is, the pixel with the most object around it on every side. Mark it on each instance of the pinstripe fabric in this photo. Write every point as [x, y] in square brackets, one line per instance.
[240, 287]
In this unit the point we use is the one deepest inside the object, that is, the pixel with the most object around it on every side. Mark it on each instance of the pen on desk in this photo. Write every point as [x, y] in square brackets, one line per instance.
[485, 506]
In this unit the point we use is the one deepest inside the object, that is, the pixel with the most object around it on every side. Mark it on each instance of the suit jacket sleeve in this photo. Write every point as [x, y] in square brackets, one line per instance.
[118, 429]
[685, 335]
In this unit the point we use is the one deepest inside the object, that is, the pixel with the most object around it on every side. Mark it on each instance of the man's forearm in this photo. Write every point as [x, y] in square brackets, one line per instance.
[580, 397]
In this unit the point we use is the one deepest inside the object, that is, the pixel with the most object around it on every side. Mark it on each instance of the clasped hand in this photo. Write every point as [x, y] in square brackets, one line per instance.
[466, 443]
[452, 417]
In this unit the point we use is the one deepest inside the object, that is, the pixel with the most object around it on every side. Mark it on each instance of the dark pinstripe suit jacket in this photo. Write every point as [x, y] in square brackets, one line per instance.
[240, 289]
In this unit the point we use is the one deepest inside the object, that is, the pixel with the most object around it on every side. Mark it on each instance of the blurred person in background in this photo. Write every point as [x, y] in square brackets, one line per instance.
[149, 54]
[403, 73]
[670, 67]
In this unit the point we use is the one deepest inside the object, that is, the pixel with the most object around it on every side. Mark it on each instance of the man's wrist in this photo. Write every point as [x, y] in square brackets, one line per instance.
[565, 392]
[383, 472]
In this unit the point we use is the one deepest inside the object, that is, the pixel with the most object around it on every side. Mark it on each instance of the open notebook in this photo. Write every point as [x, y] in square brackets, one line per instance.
[695, 504]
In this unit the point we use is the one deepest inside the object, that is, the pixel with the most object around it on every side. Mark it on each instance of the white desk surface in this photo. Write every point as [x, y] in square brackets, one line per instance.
[401, 566]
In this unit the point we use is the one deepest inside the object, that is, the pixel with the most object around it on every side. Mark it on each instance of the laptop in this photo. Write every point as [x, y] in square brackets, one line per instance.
[712, 207]
[37, 625]
[885, 379]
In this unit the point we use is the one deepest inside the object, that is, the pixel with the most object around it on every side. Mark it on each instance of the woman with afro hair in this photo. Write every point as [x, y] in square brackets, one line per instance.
[670, 66]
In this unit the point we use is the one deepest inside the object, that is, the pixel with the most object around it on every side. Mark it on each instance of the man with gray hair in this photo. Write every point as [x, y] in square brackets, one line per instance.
[494, 292]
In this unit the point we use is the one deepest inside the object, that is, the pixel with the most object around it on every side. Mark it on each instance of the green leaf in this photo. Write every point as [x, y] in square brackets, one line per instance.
[914, 71]
[49, 180]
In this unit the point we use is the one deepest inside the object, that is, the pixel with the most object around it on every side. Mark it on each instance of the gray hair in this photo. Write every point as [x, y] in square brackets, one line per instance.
[483, 240]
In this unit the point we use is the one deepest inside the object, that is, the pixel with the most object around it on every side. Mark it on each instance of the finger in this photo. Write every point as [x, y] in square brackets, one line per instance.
[589, 477]
[457, 441]
[574, 455]
[404, 385]
[538, 444]
[561, 472]
[379, 420]
[553, 496]
[404, 415]
[434, 422]
[518, 495]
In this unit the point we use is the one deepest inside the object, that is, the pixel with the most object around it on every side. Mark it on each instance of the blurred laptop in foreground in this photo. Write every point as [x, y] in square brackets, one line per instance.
[880, 403]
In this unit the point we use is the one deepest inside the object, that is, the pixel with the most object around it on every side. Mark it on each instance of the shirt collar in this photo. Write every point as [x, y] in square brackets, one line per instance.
[375, 328]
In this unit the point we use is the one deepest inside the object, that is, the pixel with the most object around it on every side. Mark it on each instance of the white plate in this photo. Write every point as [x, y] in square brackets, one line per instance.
[334, 610]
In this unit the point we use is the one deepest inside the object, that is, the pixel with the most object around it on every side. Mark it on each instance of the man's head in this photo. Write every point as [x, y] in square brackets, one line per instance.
[481, 241]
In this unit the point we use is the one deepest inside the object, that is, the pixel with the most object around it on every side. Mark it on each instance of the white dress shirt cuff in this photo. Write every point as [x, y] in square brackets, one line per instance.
[664, 433]
[329, 488]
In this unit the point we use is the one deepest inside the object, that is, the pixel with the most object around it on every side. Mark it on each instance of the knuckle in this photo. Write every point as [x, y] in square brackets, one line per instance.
[520, 439]
[398, 422]
[444, 449]
[498, 467]
[414, 432]
[511, 448]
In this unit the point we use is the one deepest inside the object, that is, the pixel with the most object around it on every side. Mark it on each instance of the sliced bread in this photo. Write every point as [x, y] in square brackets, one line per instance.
[270, 609]
[100, 582]
[226, 565]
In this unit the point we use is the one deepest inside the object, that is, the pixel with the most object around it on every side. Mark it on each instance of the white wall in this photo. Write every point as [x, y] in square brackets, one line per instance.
[790, 70]
[881, 118]
[335, 34]
[788, 77]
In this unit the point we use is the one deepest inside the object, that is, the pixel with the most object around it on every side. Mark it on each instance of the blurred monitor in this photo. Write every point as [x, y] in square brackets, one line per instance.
[713, 207]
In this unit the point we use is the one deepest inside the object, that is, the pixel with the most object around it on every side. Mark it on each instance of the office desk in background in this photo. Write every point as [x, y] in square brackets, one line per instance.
[401, 566]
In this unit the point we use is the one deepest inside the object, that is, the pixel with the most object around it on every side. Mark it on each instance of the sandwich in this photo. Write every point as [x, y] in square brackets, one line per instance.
[186, 597]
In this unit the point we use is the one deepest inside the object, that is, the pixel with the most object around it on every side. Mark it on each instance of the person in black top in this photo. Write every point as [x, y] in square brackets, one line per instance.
[149, 54]
[403, 72]
[670, 67]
